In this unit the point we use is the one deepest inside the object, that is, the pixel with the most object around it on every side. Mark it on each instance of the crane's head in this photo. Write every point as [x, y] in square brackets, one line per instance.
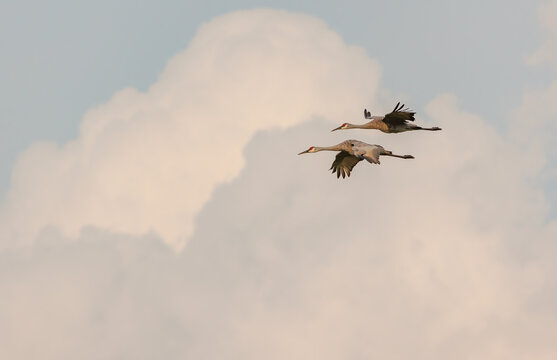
[310, 150]
[342, 127]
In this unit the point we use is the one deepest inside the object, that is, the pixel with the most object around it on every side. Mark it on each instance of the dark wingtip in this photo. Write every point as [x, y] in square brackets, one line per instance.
[396, 106]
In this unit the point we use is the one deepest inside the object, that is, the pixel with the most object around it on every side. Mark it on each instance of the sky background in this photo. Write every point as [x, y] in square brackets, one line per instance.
[62, 58]
[153, 206]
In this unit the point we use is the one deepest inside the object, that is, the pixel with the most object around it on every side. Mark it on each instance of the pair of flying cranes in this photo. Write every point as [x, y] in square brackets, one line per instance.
[352, 152]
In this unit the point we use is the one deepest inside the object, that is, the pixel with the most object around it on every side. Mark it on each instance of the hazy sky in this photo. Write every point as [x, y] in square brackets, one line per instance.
[61, 58]
[157, 207]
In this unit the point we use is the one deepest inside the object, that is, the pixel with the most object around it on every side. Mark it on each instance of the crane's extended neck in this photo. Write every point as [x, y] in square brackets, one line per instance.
[328, 148]
[313, 149]
[346, 126]
[357, 126]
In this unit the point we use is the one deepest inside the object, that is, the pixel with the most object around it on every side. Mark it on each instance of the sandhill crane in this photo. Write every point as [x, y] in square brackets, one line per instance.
[394, 122]
[352, 152]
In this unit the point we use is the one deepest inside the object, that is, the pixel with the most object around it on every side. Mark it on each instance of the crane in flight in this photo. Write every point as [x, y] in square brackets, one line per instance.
[352, 152]
[396, 121]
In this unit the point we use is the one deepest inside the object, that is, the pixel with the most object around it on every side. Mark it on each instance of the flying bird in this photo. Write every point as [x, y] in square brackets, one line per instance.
[396, 121]
[352, 152]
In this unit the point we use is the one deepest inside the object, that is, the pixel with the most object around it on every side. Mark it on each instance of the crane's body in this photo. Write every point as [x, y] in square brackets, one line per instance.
[378, 123]
[352, 152]
[394, 122]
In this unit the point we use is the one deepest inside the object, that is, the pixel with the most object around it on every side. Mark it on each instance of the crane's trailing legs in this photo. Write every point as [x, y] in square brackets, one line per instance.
[435, 128]
[390, 153]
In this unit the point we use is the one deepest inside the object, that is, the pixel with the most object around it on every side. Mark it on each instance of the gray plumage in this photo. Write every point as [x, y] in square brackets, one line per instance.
[352, 152]
[396, 121]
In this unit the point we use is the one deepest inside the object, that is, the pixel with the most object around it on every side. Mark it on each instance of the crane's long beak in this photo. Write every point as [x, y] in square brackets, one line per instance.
[338, 128]
[303, 152]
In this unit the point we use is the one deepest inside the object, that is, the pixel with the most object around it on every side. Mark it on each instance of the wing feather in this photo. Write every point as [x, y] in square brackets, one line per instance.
[399, 115]
[369, 152]
[367, 114]
[344, 163]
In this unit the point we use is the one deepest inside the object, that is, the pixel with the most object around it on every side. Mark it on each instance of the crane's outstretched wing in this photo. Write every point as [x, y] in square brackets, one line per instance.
[367, 114]
[344, 163]
[399, 115]
[369, 152]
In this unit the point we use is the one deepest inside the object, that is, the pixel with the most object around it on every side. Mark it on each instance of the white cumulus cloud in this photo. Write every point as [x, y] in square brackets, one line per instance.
[446, 256]
[443, 256]
[149, 161]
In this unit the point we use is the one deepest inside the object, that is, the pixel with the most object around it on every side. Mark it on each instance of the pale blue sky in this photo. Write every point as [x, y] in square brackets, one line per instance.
[60, 58]
[180, 223]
